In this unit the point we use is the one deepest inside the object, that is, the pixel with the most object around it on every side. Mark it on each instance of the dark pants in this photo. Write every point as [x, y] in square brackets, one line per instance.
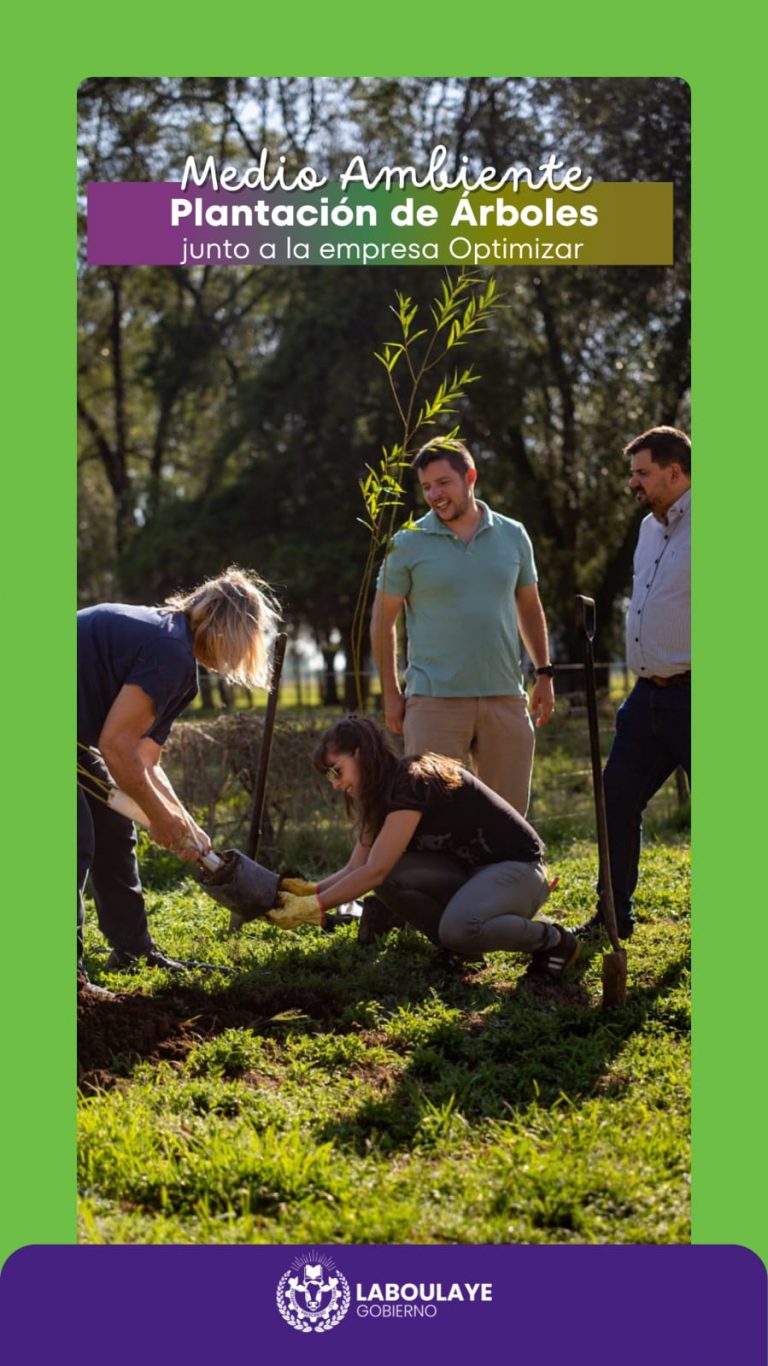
[653, 738]
[106, 849]
[419, 888]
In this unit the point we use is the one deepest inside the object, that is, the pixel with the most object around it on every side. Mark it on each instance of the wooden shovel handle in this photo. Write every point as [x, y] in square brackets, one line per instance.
[260, 789]
[586, 615]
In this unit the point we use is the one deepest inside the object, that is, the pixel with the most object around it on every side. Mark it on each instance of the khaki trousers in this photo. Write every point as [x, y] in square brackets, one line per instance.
[492, 735]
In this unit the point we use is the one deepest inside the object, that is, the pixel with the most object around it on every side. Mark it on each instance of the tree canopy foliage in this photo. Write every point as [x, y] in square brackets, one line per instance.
[228, 413]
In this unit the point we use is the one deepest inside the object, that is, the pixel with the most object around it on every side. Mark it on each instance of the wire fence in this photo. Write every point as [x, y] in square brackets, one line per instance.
[307, 689]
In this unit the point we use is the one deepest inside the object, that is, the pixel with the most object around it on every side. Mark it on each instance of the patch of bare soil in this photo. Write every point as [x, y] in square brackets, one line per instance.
[114, 1033]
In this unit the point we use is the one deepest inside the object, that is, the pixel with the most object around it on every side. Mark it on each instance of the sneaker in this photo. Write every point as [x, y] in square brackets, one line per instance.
[351, 913]
[549, 964]
[120, 960]
[591, 929]
[595, 926]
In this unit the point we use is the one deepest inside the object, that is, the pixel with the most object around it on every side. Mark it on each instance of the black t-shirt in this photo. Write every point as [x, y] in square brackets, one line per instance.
[469, 823]
[148, 646]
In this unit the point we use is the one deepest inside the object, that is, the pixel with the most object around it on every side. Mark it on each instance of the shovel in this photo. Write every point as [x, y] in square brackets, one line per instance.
[236, 880]
[260, 788]
[615, 963]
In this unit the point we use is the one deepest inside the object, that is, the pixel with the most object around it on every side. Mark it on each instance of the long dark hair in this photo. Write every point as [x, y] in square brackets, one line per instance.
[381, 769]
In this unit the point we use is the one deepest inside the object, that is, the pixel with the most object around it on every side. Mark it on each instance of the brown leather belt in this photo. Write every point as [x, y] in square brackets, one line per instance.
[674, 681]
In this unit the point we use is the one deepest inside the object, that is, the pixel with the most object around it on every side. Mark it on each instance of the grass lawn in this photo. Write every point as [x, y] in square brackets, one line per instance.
[323, 1092]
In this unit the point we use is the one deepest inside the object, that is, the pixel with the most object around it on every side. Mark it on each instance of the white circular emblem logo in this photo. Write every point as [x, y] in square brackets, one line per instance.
[313, 1296]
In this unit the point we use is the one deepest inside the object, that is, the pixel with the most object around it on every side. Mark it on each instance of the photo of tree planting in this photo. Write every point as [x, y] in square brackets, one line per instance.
[384, 699]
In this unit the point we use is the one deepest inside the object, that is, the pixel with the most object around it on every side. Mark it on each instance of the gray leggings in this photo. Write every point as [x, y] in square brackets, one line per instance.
[474, 912]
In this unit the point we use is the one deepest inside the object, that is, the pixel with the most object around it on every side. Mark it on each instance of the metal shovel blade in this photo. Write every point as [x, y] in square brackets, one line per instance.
[614, 978]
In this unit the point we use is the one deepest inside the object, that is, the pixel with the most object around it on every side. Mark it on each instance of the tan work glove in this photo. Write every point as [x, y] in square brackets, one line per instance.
[296, 910]
[297, 886]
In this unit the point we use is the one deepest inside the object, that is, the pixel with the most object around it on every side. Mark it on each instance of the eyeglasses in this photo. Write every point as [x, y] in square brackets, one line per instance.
[333, 773]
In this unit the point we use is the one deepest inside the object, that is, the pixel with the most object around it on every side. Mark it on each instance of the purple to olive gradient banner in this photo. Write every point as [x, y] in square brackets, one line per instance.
[139, 223]
[601, 1306]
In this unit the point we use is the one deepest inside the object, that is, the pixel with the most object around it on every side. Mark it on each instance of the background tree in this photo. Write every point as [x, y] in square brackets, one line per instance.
[230, 412]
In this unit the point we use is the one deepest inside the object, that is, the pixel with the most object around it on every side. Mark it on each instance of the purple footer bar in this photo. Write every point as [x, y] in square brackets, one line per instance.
[622, 1306]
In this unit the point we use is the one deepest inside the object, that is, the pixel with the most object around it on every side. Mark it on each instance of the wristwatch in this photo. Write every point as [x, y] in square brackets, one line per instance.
[545, 670]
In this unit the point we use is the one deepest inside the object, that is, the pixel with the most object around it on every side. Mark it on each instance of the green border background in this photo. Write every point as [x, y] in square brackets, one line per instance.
[47, 58]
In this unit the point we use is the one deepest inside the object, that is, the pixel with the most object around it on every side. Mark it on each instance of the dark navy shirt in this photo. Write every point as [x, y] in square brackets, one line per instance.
[150, 647]
[470, 823]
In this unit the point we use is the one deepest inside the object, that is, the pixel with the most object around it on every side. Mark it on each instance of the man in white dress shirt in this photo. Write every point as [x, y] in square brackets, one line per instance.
[653, 726]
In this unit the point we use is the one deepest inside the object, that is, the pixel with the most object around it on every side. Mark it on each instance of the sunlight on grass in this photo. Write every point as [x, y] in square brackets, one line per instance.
[352, 1100]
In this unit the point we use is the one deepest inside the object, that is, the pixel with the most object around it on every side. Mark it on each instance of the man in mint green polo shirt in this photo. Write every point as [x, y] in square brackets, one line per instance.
[467, 580]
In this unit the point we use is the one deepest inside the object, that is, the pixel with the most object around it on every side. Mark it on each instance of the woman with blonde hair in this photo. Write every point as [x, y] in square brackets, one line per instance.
[439, 848]
[137, 672]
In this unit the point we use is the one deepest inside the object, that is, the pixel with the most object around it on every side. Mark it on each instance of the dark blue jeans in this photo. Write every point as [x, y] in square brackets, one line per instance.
[106, 849]
[653, 738]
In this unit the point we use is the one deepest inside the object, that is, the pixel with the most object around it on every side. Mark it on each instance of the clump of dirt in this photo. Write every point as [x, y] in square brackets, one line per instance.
[114, 1033]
